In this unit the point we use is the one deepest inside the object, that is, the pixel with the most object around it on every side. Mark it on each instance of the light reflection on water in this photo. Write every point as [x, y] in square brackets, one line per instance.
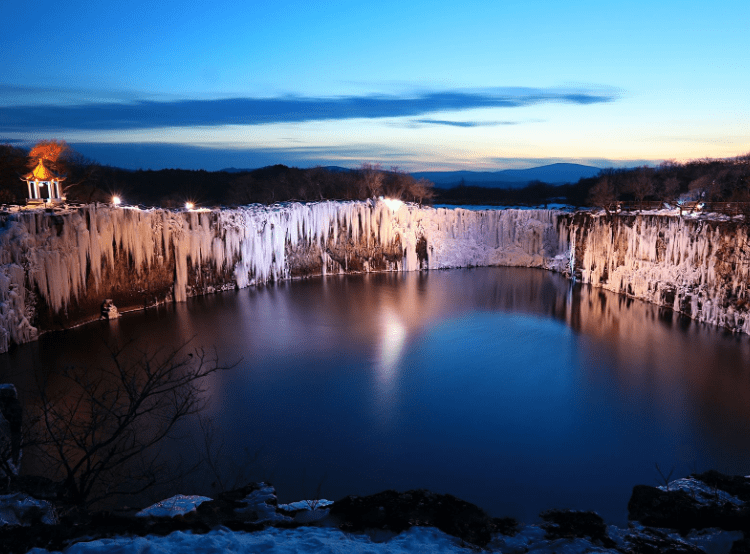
[506, 387]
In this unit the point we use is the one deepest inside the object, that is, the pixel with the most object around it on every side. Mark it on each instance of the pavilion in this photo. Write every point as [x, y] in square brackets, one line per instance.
[44, 185]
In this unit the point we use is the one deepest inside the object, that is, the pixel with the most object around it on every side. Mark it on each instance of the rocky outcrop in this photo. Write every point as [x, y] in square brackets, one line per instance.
[396, 512]
[698, 502]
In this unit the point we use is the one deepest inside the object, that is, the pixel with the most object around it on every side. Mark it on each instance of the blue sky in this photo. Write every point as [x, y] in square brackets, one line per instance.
[422, 85]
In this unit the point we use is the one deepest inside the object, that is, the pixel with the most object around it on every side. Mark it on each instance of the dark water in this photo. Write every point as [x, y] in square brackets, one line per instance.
[507, 387]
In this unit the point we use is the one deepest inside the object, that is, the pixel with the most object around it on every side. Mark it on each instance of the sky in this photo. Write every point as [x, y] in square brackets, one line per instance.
[422, 85]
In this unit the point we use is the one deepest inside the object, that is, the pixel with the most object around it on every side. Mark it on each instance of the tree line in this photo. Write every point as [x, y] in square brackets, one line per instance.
[707, 180]
[710, 180]
[87, 181]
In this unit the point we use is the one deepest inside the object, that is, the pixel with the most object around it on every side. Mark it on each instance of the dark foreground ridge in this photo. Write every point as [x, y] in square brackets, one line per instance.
[706, 512]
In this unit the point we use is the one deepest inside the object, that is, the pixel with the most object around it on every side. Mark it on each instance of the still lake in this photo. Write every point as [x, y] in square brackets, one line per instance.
[508, 387]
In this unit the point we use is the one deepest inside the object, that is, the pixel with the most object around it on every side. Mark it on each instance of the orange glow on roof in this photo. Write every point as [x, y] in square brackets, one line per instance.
[41, 173]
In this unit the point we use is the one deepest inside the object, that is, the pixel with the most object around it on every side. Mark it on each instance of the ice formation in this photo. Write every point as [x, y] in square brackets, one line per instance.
[57, 268]
[698, 267]
[56, 262]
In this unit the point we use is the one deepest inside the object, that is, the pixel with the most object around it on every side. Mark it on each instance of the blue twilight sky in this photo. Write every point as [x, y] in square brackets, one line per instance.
[418, 84]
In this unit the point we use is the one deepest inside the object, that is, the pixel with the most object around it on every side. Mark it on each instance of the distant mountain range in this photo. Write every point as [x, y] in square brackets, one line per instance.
[555, 174]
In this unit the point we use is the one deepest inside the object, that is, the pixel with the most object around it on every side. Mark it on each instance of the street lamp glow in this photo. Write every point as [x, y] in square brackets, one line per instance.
[189, 205]
[116, 200]
[393, 203]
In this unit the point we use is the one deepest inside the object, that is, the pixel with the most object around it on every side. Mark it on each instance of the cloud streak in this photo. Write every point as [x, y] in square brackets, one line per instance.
[149, 114]
[451, 123]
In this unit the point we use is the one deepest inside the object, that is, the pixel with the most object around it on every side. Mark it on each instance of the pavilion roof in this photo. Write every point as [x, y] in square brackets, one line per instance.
[42, 173]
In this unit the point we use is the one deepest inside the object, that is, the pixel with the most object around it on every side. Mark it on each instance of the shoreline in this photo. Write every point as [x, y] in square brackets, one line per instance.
[708, 511]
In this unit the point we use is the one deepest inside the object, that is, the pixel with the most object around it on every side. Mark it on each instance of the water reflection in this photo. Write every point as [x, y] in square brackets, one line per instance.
[508, 387]
[391, 347]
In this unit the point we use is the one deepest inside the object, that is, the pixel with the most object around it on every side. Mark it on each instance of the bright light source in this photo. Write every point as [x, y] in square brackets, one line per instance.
[189, 205]
[393, 203]
[116, 200]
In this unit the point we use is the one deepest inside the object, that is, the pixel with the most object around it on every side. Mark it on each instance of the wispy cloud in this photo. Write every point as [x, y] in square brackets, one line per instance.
[451, 123]
[214, 157]
[148, 114]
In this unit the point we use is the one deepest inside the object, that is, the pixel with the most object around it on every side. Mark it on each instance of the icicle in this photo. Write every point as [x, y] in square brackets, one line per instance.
[573, 255]
[62, 255]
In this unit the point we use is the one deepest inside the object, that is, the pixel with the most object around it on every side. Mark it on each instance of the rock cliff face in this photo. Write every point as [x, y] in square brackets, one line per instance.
[698, 267]
[57, 268]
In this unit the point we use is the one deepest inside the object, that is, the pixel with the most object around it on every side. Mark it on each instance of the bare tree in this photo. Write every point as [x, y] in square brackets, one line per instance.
[701, 187]
[12, 166]
[670, 189]
[54, 153]
[642, 184]
[371, 180]
[602, 194]
[397, 183]
[100, 435]
[422, 190]
[83, 179]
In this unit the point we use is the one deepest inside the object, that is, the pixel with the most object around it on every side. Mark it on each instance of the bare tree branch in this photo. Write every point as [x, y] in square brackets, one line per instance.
[92, 433]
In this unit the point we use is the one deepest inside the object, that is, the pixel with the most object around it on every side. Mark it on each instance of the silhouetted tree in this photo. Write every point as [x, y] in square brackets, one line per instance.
[422, 190]
[83, 182]
[12, 167]
[371, 179]
[99, 433]
[701, 187]
[54, 153]
[670, 189]
[641, 184]
[602, 194]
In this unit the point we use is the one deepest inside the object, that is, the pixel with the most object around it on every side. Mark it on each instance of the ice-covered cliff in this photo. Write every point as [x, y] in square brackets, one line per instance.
[56, 268]
[697, 266]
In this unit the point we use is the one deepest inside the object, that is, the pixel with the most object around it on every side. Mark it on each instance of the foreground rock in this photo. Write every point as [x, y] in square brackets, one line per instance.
[701, 501]
[396, 512]
[706, 513]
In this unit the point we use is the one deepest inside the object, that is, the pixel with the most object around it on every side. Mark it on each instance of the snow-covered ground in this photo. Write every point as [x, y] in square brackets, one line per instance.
[568, 532]
[416, 540]
[274, 541]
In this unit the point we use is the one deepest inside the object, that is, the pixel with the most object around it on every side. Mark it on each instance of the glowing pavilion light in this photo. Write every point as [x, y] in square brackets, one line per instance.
[116, 200]
[189, 206]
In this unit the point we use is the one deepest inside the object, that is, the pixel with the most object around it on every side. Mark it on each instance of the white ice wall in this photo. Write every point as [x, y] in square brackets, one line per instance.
[703, 266]
[54, 254]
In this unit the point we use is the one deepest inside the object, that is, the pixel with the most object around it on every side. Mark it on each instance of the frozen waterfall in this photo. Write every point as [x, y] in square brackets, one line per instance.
[56, 268]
